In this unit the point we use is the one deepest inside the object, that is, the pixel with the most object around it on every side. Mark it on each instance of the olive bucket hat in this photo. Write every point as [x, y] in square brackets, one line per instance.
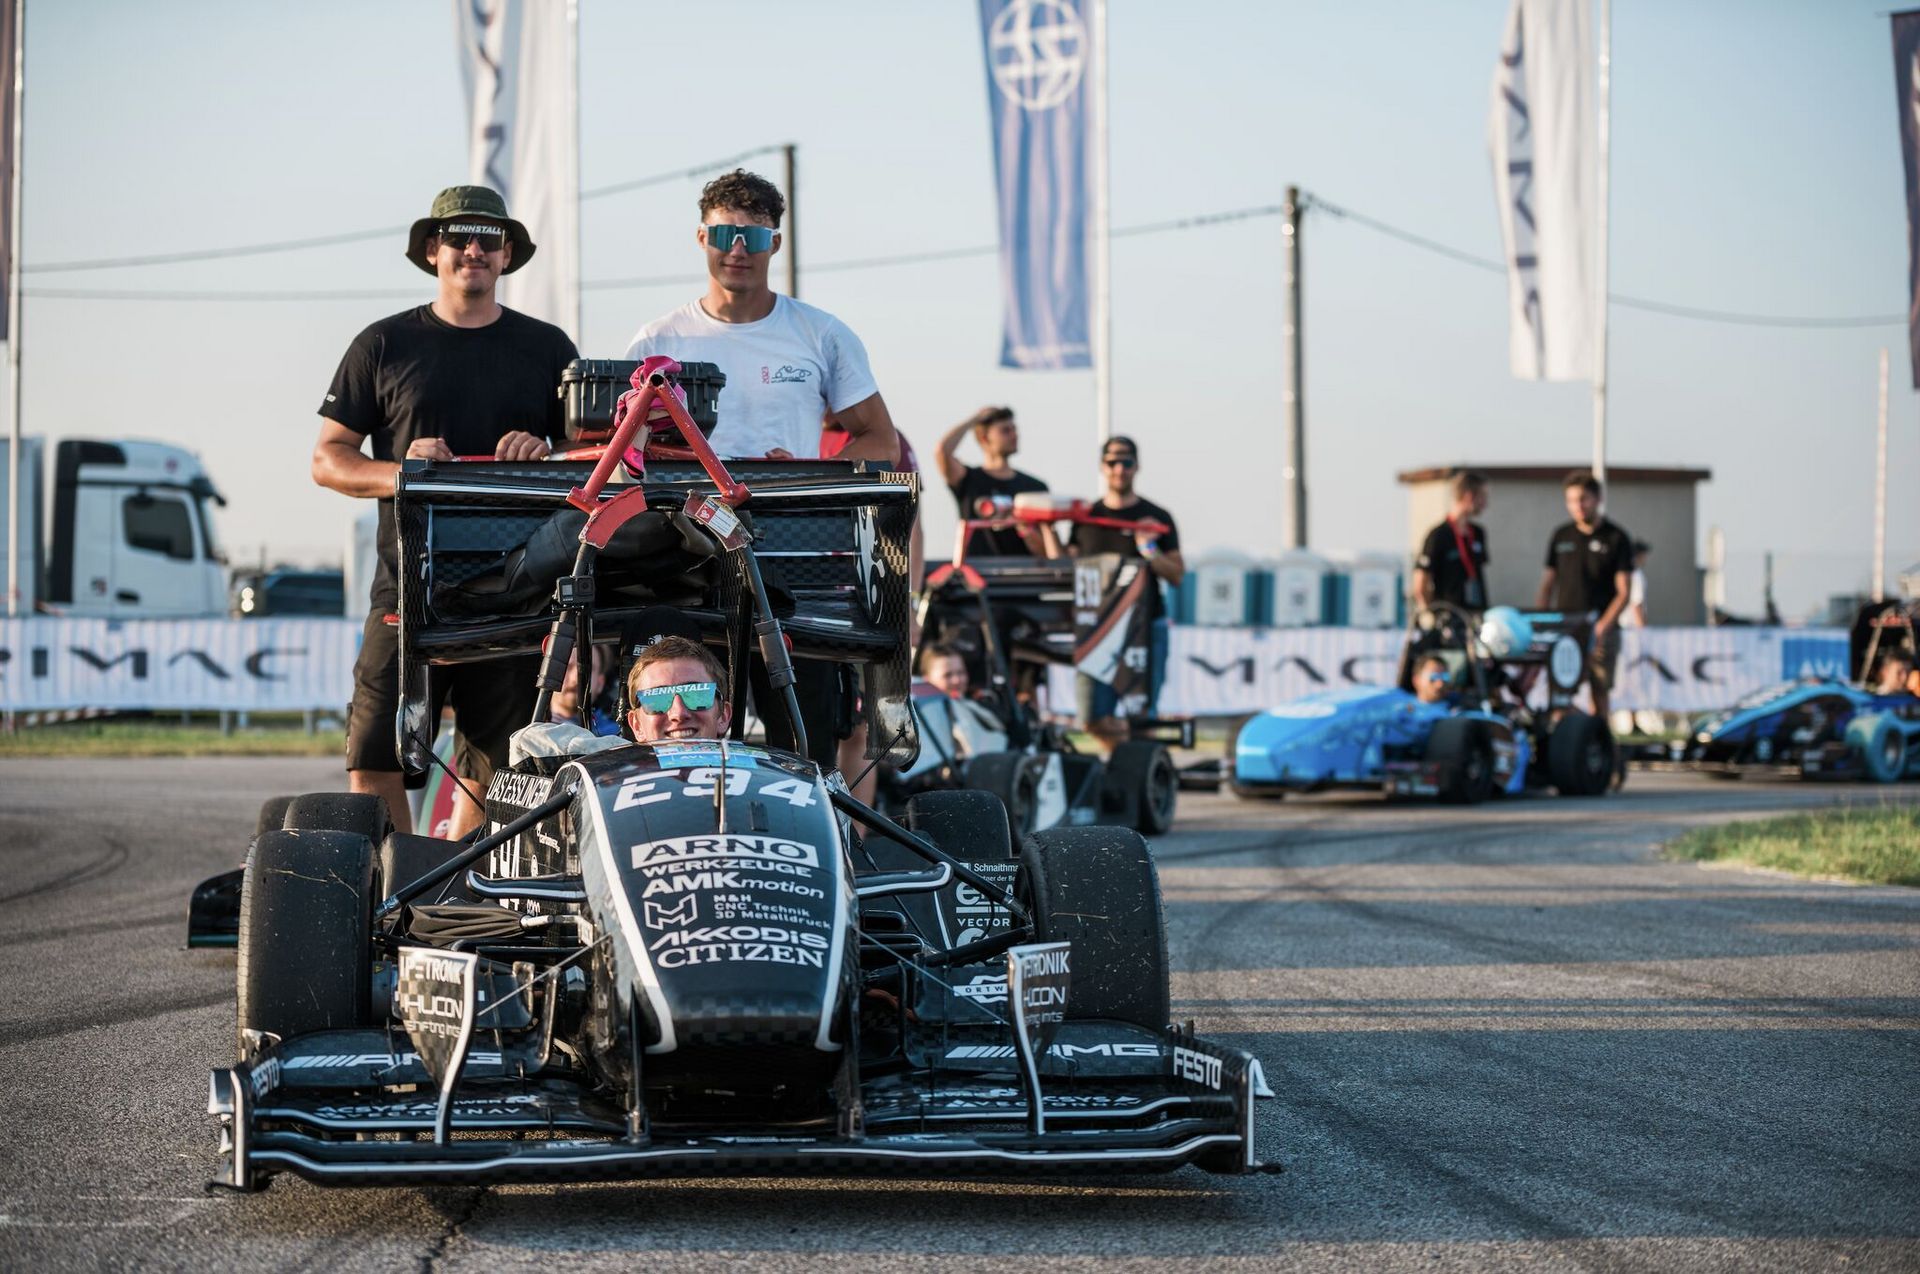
[468, 201]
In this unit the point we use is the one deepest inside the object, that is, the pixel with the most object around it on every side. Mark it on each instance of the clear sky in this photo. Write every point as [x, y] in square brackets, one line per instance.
[1756, 168]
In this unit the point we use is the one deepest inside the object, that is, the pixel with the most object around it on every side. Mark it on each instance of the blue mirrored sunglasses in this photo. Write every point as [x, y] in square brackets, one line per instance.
[1434, 676]
[758, 238]
[697, 696]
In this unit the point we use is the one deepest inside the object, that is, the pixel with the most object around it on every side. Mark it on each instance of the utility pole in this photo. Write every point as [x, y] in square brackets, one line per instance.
[1102, 230]
[1600, 244]
[791, 244]
[1880, 493]
[19, 536]
[1294, 475]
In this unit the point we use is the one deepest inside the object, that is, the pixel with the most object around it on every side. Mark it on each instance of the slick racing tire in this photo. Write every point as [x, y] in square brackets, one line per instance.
[357, 812]
[970, 825]
[273, 815]
[1008, 776]
[1881, 746]
[1096, 887]
[304, 950]
[1580, 755]
[404, 859]
[1141, 781]
[1464, 755]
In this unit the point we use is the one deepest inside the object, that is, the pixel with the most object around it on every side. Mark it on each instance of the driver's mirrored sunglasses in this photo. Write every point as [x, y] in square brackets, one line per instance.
[758, 238]
[1434, 676]
[696, 696]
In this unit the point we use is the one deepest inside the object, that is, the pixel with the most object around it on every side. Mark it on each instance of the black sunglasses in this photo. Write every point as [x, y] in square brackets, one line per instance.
[457, 237]
[1125, 462]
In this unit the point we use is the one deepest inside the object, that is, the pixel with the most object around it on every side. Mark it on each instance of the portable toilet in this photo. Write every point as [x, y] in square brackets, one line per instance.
[1299, 589]
[1374, 592]
[1223, 592]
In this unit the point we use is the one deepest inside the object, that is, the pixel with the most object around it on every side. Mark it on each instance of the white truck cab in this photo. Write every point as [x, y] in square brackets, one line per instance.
[131, 534]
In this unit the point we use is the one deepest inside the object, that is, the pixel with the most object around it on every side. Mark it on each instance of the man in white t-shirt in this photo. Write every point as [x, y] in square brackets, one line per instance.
[789, 365]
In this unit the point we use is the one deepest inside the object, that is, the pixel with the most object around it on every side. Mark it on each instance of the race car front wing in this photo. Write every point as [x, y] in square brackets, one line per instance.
[356, 1108]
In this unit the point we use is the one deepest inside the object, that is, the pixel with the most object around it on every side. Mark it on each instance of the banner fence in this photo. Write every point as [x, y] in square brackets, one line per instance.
[292, 665]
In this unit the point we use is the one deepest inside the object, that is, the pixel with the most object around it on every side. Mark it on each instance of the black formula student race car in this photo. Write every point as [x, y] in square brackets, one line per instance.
[696, 957]
[1013, 618]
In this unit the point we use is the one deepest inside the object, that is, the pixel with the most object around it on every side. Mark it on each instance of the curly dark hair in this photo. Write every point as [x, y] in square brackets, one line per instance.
[749, 192]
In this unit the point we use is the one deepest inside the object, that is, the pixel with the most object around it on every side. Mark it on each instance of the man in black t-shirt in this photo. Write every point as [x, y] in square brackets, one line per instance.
[462, 376]
[1589, 562]
[1452, 566]
[1119, 462]
[998, 437]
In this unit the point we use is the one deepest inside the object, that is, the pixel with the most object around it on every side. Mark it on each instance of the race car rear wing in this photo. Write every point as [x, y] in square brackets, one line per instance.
[483, 544]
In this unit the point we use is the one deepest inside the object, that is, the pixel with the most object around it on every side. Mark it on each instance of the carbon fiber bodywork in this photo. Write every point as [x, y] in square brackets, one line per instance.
[856, 1051]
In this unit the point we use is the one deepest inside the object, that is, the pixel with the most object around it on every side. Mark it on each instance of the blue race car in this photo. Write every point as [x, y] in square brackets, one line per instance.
[1823, 727]
[1481, 740]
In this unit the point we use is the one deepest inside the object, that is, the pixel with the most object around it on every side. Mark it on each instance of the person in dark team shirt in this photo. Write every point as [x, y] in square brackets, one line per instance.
[1119, 463]
[1452, 566]
[1589, 561]
[998, 438]
[460, 376]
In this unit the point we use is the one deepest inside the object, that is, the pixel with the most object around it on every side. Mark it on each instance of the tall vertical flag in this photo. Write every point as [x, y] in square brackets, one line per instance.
[1541, 131]
[1906, 77]
[517, 66]
[9, 11]
[1039, 61]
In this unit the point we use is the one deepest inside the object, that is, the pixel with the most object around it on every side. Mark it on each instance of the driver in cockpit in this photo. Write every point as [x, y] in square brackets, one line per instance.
[1432, 682]
[678, 691]
[1896, 674]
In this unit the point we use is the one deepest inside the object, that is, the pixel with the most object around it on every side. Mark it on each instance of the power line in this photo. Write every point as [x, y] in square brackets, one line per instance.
[1312, 202]
[630, 283]
[1698, 313]
[333, 240]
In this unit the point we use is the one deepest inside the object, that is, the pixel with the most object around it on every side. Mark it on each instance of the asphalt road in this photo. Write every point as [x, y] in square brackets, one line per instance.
[1498, 1035]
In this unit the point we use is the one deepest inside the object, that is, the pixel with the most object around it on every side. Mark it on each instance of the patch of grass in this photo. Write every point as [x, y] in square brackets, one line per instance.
[1873, 844]
[148, 737]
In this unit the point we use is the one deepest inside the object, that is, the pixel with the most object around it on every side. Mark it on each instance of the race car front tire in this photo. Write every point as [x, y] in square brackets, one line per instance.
[1141, 778]
[1580, 755]
[1463, 751]
[357, 812]
[304, 947]
[273, 815]
[1881, 746]
[1097, 888]
[1008, 776]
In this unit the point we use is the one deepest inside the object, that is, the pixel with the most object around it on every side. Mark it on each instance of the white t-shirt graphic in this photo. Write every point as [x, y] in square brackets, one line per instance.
[784, 372]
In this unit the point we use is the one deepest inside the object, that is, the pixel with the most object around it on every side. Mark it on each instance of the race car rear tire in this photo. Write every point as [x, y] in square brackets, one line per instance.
[273, 814]
[970, 825]
[404, 859]
[1463, 751]
[1580, 755]
[1881, 746]
[304, 958]
[1141, 778]
[358, 812]
[1008, 776]
[1097, 888]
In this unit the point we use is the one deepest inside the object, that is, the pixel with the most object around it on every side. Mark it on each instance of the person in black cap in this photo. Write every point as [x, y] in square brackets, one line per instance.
[1119, 463]
[1452, 566]
[459, 376]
